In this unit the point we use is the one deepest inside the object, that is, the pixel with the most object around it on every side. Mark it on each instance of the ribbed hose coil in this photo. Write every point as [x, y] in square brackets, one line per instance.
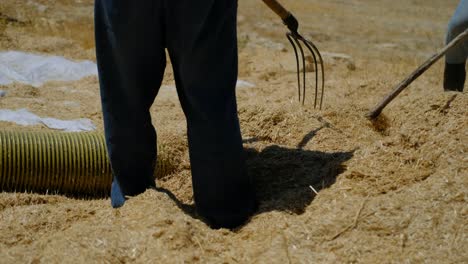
[56, 162]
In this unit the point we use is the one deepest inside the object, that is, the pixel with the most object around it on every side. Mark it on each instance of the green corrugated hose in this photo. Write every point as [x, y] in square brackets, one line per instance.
[66, 163]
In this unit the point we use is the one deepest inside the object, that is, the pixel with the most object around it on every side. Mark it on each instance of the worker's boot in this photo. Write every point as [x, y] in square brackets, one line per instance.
[454, 77]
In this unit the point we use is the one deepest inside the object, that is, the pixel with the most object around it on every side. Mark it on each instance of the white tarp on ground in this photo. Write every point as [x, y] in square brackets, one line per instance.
[241, 84]
[34, 69]
[25, 118]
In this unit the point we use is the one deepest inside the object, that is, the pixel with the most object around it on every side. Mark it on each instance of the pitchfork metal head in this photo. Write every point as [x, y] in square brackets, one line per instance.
[297, 41]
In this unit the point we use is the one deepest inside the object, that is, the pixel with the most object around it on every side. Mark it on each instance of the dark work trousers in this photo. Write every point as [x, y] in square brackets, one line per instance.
[201, 39]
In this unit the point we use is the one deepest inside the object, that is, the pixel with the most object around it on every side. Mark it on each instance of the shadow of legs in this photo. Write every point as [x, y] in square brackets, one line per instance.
[283, 176]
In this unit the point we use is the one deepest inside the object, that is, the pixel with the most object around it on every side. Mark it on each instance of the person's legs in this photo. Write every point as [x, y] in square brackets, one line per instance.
[131, 62]
[202, 43]
[455, 59]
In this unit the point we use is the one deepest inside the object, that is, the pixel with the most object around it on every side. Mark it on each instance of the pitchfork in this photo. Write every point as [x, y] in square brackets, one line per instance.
[296, 39]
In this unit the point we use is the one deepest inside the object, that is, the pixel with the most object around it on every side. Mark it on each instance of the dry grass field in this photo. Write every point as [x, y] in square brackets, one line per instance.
[390, 191]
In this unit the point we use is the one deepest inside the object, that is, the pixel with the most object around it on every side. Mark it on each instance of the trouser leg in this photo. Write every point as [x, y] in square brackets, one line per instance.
[455, 59]
[131, 62]
[458, 24]
[202, 44]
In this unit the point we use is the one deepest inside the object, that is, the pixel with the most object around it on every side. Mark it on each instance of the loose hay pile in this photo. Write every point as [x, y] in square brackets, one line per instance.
[391, 191]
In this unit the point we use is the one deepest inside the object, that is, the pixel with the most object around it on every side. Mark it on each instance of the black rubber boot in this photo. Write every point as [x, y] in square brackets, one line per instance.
[454, 77]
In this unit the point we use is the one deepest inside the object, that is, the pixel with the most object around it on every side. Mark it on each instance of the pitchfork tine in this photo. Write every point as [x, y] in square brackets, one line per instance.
[303, 69]
[288, 35]
[311, 47]
[316, 69]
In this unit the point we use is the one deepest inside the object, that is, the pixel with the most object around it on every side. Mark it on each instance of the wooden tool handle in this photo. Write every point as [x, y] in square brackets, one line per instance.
[277, 8]
[374, 113]
[288, 19]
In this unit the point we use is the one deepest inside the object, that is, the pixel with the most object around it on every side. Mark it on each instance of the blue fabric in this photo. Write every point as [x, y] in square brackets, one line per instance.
[117, 196]
[200, 36]
[458, 24]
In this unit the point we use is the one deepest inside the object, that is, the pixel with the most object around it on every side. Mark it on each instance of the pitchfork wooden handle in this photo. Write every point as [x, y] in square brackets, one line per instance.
[289, 20]
[277, 8]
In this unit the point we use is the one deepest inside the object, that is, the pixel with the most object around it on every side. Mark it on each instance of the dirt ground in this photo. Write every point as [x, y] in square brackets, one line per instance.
[392, 191]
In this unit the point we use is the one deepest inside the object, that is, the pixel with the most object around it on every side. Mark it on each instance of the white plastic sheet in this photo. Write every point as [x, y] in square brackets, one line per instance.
[35, 70]
[244, 84]
[26, 118]
[239, 84]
